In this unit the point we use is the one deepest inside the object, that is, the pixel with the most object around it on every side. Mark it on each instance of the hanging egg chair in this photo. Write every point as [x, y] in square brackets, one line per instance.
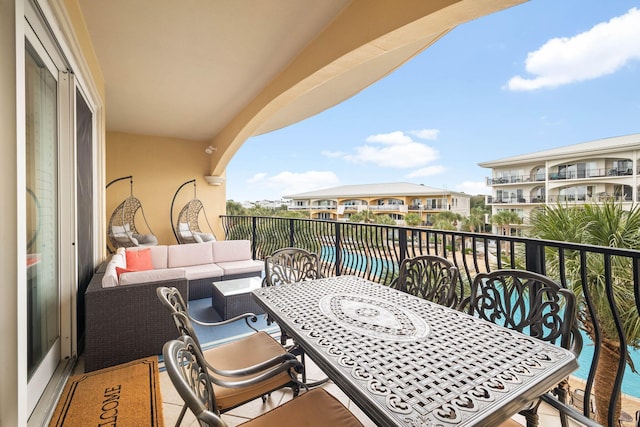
[122, 230]
[186, 229]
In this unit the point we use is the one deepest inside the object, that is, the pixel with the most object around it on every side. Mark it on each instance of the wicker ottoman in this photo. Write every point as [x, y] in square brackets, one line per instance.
[233, 297]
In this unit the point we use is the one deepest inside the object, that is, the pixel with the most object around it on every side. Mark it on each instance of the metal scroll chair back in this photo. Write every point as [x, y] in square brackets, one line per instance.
[532, 304]
[172, 299]
[187, 370]
[429, 277]
[291, 265]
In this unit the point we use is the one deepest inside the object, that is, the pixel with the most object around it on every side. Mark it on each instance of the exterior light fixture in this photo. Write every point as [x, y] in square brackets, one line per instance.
[210, 149]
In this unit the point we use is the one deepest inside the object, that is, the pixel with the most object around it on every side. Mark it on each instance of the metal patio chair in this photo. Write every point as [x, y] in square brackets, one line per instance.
[292, 265]
[429, 277]
[189, 373]
[245, 361]
[532, 304]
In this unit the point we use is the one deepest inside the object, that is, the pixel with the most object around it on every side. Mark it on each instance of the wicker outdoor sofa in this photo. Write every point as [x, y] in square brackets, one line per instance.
[123, 316]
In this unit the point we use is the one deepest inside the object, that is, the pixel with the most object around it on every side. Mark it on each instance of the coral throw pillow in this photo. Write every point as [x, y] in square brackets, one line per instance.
[120, 270]
[139, 260]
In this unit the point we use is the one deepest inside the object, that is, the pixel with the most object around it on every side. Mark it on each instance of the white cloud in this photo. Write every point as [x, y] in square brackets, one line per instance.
[473, 187]
[604, 49]
[257, 178]
[393, 138]
[430, 134]
[394, 150]
[333, 154]
[428, 171]
[286, 182]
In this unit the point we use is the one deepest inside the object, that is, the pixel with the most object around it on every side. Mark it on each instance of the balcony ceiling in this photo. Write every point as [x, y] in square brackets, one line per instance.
[224, 70]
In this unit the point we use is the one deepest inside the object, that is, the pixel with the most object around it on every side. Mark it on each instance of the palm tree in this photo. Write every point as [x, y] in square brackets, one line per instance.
[412, 219]
[602, 225]
[446, 220]
[475, 220]
[504, 220]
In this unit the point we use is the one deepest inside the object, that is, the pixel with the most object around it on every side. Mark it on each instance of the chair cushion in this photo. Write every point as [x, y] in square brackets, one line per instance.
[313, 408]
[239, 354]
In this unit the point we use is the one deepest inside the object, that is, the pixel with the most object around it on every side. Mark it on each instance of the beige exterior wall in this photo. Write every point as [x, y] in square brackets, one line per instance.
[159, 166]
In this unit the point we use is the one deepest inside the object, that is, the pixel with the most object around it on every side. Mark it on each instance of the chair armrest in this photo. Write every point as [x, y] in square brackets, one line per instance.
[287, 359]
[569, 411]
[288, 366]
[246, 316]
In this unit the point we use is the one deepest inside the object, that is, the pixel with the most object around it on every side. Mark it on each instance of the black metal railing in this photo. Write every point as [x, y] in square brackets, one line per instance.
[610, 298]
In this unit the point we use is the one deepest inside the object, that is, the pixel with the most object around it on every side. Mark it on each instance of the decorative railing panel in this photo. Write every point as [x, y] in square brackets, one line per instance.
[606, 280]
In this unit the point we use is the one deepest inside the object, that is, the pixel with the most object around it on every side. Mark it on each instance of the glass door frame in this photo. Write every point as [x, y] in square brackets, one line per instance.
[39, 37]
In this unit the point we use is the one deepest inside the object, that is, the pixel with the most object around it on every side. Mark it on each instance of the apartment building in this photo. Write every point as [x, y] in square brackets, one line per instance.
[396, 199]
[589, 172]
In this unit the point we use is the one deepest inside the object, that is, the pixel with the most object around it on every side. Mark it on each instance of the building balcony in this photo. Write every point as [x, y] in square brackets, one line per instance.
[388, 208]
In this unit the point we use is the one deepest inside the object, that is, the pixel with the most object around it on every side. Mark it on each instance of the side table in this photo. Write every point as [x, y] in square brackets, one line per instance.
[233, 297]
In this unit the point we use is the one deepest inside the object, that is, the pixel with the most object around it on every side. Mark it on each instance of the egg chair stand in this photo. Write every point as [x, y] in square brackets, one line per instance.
[122, 229]
[186, 228]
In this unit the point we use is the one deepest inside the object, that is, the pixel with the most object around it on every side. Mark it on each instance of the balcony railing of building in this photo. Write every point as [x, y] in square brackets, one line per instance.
[514, 200]
[388, 208]
[606, 280]
[312, 208]
[590, 173]
[559, 175]
[514, 179]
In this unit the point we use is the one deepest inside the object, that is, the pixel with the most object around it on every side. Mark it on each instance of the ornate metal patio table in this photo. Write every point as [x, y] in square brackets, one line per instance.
[409, 362]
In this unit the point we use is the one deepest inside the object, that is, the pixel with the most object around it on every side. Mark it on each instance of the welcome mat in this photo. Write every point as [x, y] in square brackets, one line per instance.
[120, 396]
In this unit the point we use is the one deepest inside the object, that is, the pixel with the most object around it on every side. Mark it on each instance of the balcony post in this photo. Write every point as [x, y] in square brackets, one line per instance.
[402, 243]
[254, 236]
[534, 257]
[338, 257]
[291, 234]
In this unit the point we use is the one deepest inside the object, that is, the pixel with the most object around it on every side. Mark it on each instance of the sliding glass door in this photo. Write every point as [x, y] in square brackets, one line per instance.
[43, 285]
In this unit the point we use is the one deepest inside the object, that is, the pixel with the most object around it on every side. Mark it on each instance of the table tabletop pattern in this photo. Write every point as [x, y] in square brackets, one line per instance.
[408, 362]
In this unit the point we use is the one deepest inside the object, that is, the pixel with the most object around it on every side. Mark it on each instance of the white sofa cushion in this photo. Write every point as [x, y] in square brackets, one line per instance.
[158, 255]
[203, 271]
[231, 250]
[133, 277]
[190, 254]
[241, 267]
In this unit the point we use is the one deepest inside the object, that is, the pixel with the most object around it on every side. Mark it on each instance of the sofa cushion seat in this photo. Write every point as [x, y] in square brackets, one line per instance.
[241, 267]
[203, 271]
[152, 276]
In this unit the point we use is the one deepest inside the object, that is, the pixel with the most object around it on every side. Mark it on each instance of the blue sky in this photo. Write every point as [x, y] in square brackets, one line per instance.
[544, 74]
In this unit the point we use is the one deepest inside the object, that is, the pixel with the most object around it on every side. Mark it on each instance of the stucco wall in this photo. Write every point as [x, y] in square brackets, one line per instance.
[159, 166]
